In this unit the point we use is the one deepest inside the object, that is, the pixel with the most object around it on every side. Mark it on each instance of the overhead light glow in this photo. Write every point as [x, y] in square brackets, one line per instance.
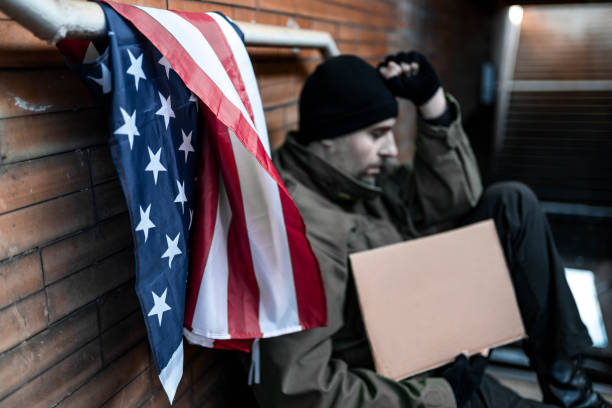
[515, 14]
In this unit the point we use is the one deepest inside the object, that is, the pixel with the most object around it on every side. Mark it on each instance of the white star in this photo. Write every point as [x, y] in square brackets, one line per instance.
[186, 146]
[172, 250]
[145, 223]
[160, 306]
[166, 110]
[154, 163]
[190, 218]
[194, 99]
[180, 198]
[104, 81]
[129, 126]
[136, 68]
[163, 61]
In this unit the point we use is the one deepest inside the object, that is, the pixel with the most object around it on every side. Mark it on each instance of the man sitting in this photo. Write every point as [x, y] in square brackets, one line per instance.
[341, 171]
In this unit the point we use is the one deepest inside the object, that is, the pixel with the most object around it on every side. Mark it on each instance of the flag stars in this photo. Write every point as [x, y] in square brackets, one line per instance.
[186, 146]
[160, 306]
[145, 223]
[135, 68]
[173, 249]
[154, 163]
[129, 126]
[105, 80]
[166, 64]
[181, 198]
[166, 109]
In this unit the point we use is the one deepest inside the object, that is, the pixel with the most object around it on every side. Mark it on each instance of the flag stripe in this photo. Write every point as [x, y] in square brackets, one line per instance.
[206, 222]
[269, 246]
[309, 287]
[243, 291]
[248, 77]
[209, 28]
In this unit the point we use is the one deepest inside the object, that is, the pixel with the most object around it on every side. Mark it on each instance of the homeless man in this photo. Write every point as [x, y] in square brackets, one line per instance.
[340, 171]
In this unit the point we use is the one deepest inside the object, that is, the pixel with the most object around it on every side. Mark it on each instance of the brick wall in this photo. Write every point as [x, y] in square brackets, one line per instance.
[71, 330]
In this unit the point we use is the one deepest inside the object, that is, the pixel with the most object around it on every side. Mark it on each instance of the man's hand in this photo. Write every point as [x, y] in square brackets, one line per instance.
[409, 75]
[465, 376]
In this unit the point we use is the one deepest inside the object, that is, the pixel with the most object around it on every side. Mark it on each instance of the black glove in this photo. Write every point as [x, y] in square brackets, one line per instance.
[418, 88]
[464, 376]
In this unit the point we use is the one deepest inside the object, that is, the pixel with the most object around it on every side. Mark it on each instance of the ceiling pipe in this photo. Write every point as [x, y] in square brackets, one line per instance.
[54, 20]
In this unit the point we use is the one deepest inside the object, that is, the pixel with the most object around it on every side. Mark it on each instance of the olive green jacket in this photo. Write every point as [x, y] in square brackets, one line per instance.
[332, 366]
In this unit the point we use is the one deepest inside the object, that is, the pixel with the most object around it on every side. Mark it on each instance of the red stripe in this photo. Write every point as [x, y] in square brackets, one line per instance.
[309, 289]
[234, 344]
[206, 196]
[215, 37]
[243, 291]
[74, 50]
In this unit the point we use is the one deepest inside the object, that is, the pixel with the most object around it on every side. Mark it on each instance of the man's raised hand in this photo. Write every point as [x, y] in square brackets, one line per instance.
[409, 75]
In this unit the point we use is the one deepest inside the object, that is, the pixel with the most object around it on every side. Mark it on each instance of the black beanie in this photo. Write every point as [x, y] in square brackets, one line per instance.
[344, 94]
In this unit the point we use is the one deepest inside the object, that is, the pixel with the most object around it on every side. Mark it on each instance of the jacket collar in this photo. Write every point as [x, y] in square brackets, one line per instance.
[314, 172]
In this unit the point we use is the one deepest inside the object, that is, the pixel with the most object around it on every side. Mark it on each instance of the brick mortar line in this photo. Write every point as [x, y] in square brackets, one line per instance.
[66, 195]
[75, 109]
[126, 385]
[46, 370]
[45, 156]
[59, 239]
[102, 368]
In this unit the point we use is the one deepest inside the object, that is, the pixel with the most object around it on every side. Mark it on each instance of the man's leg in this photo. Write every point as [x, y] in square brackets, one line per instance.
[554, 328]
[492, 394]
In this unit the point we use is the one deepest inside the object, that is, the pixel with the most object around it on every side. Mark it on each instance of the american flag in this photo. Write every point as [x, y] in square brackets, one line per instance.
[221, 252]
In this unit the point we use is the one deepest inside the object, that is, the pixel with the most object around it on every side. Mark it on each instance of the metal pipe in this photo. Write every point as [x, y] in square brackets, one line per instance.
[54, 20]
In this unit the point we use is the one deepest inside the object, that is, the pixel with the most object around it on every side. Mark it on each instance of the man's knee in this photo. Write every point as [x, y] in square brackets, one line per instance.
[511, 193]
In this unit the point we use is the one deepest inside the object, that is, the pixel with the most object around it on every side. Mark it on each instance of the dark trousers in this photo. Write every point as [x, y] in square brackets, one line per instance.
[553, 325]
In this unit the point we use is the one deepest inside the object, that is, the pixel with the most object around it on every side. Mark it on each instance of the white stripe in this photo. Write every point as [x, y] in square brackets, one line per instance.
[171, 374]
[210, 315]
[268, 242]
[248, 77]
[194, 43]
[199, 340]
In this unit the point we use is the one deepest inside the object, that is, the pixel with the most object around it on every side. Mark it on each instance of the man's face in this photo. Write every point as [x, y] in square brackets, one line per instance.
[361, 154]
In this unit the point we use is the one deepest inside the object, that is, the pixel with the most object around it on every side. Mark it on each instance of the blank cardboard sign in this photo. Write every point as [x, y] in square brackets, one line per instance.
[427, 300]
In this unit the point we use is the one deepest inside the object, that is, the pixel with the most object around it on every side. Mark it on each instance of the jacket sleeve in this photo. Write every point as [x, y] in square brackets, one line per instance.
[444, 182]
[300, 370]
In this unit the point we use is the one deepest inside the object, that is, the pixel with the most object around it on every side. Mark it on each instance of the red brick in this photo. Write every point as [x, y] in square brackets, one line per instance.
[254, 16]
[158, 400]
[197, 6]
[109, 200]
[42, 135]
[20, 48]
[22, 320]
[102, 167]
[29, 227]
[117, 305]
[274, 118]
[206, 385]
[284, 6]
[205, 359]
[110, 380]
[123, 336]
[71, 254]
[149, 3]
[132, 394]
[82, 287]
[291, 116]
[47, 348]
[277, 138]
[38, 180]
[36, 91]
[19, 278]
[279, 93]
[55, 384]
